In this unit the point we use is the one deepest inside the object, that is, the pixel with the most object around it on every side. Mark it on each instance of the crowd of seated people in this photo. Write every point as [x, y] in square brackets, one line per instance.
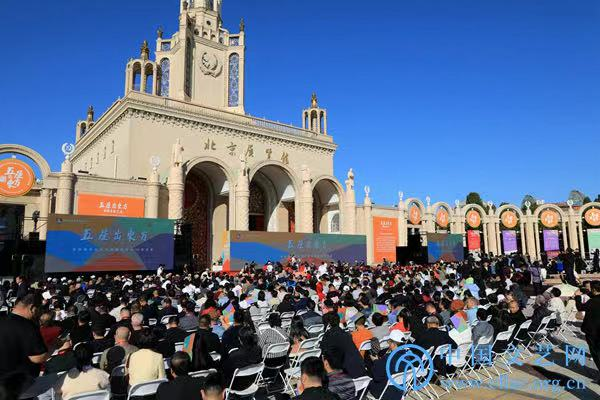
[164, 327]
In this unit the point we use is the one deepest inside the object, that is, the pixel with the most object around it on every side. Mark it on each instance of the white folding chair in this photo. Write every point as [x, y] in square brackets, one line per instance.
[361, 385]
[179, 346]
[480, 364]
[97, 395]
[273, 351]
[459, 359]
[202, 374]
[252, 370]
[96, 358]
[165, 320]
[215, 356]
[502, 354]
[315, 329]
[287, 315]
[441, 352]
[540, 336]
[521, 337]
[293, 372]
[152, 321]
[405, 379]
[365, 346]
[145, 388]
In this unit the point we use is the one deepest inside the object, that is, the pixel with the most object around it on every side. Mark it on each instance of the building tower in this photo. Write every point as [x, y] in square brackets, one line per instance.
[201, 63]
[315, 118]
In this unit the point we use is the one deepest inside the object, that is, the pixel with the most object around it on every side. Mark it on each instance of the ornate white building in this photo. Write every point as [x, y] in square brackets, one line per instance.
[180, 142]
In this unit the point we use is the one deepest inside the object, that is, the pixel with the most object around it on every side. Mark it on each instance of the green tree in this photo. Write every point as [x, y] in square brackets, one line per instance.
[475, 198]
[528, 198]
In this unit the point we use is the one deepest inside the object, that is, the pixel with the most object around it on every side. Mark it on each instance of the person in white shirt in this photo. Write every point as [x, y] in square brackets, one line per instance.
[556, 305]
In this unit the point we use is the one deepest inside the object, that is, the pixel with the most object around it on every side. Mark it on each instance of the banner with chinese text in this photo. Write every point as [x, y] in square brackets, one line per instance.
[551, 242]
[88, 243]
[473, 240]
[509, 241]
[385, 238]
[109, 205]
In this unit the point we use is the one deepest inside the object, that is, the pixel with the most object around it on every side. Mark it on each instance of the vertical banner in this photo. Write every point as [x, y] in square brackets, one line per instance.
[509, 242]
[473, 240]
[551, 242]
[385, 238]
[593, 236]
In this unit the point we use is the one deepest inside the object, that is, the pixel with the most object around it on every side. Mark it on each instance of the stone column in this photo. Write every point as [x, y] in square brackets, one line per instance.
[306, 201]
[402, 223]
[428, 223]
[530, 235]
[522, 233]
[152, 197]
[369, 225]
[242, 199]
[581, 239]
[176, 182]
[566, 242]
[572, 227]
[538, 248]
[44, 211]
[64, 193]
[491, 233]
[176, 186]
[349, 222]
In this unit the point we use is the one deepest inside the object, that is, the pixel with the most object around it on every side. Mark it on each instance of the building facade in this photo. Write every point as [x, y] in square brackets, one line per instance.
[179, 145]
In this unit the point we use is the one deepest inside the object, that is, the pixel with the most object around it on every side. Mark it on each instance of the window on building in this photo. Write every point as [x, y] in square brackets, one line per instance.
[188, 67]
[335, 223]
[234, 80]
[149, 76]
[165, 70]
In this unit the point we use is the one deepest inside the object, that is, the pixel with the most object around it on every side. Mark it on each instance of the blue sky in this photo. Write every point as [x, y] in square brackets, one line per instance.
[430, 97]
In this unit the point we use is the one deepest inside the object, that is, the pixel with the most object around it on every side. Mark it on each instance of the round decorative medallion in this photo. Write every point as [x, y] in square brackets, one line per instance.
[16, 178]
[592, 217]
[210, 65]
[442, 217]
[414, 214]
[473, 219]
[509, 219]
[549, 218]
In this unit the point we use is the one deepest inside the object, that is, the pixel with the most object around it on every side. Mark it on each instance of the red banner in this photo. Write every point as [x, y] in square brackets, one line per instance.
[473, 240]
[385, 238]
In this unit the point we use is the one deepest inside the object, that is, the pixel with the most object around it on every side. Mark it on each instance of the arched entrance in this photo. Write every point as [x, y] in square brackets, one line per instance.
[272, 191]
[326, 206]
[206, 213]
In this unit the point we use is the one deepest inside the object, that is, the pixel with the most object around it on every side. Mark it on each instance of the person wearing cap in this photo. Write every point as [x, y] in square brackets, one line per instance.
[379, 370]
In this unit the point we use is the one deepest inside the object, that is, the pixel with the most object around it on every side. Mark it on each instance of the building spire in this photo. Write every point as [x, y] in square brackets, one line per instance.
[145, 51]
[90, 113]
[313, 101]
[159, 32]
[242, 25]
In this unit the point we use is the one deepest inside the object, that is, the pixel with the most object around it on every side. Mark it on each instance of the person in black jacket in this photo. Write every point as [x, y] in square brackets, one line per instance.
[310, 386]
[205, 342]
[182, 387]
[591, 321]
[248, 353]
[336, 339]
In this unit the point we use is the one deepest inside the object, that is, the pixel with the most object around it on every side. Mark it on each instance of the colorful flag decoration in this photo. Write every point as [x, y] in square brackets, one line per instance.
[188, 345]
[381, 309]
[227, 317]
[460, 324]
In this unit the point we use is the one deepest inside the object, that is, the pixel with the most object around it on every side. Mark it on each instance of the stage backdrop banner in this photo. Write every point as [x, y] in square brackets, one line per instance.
[87, 243]
[551, 242]
[107, 205]
[509, 242]
[473, 240]
[260, 247]
[385, 238]
[593, 239]
[444, 247]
